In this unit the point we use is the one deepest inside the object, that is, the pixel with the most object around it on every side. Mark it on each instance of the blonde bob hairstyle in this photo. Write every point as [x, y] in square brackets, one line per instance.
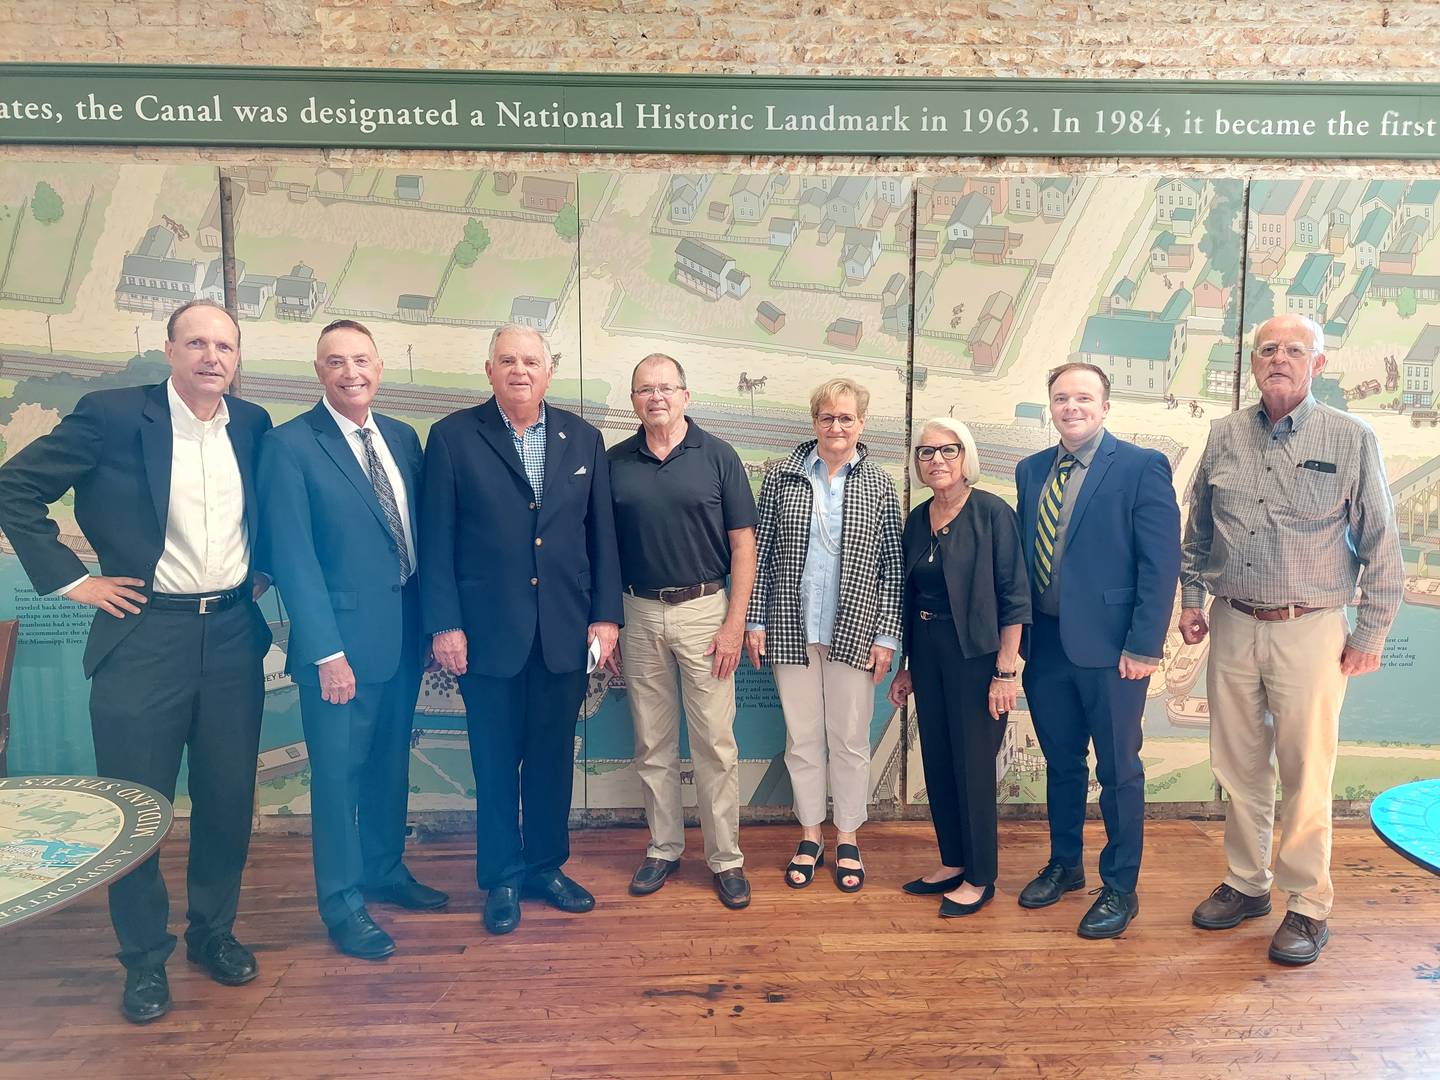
[969, 456]
[832, 390]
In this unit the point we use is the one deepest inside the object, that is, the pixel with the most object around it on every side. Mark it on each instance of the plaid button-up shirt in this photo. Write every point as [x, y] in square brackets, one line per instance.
[1291, 513]
[531, 448]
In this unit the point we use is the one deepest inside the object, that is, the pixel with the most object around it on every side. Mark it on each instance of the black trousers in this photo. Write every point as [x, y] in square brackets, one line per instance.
[180, 682]
[958, 743]
[522, 749]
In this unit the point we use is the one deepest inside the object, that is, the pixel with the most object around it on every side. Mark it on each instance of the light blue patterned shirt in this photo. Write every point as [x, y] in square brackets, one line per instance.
[820, 583]
[531, 448]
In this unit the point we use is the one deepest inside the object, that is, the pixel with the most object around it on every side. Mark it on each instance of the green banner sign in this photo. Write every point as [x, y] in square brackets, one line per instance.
[445, 110]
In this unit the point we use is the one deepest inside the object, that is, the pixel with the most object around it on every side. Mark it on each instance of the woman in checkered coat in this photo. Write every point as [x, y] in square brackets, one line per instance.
[825, 612]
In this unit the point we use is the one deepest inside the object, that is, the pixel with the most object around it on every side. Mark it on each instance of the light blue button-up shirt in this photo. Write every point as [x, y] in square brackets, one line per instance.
[820, 583]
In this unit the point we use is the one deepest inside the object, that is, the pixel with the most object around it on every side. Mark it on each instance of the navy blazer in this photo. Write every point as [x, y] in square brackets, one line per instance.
[1121, 561]
[333, 557]
[500, 569]
[114, 450]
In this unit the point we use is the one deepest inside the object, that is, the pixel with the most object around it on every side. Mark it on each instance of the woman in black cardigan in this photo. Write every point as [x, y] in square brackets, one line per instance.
[966, 599]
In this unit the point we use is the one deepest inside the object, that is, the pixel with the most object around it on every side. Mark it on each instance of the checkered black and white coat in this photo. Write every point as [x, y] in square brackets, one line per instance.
[872, 566]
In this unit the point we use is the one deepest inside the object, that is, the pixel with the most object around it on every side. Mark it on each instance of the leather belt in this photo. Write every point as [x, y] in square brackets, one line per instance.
[199, 603]
[927, 616]
[1271, 612]
[680, 595]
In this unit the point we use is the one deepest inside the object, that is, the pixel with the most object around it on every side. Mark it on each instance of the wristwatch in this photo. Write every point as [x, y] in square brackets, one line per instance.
[1006, 676]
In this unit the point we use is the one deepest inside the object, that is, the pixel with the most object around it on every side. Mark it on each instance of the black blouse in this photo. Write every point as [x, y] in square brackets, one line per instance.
[984, 569]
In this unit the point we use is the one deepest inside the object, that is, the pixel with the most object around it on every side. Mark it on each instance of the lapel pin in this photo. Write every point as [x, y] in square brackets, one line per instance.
[562, 434]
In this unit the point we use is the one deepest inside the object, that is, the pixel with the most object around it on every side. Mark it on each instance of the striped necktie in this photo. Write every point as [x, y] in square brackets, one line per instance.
[385, 496]
[1049, 521]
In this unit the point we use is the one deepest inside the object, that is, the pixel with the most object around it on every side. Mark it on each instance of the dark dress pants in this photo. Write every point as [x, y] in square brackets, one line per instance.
[522, 748]
[183, 681]
[359, 789]
[1071, 707]
[958, 743]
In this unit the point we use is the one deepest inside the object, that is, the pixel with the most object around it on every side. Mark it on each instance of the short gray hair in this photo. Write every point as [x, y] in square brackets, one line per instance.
[518, 328]
[969, 456]
[1313, 328]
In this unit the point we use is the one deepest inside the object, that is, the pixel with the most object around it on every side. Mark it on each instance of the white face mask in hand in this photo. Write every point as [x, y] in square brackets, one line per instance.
[592, 657]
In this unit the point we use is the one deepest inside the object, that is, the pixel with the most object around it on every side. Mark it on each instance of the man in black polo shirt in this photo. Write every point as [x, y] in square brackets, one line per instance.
[684, 518]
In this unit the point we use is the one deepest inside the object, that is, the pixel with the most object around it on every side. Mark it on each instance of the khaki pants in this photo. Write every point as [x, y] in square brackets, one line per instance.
[828, 707]
[1290, 669]
[658, 642]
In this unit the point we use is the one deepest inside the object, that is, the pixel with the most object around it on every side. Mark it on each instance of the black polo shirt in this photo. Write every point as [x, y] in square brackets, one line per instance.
[672, 516]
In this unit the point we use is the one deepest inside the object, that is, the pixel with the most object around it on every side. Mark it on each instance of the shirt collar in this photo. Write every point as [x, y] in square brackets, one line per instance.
[539, 424]
[181, 417]
[1085, 453]
[812, 459]
[347, 426]
[1292, 420]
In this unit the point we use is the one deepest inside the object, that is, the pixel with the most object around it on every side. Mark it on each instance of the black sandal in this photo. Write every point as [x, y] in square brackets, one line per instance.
[806, 870]
[848, 851]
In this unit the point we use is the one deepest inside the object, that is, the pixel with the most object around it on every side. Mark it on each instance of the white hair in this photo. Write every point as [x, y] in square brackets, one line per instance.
[1317, 335]
[517, 328]
[969, 456]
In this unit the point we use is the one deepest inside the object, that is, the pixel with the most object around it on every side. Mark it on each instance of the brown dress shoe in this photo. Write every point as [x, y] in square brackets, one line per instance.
[1226, 908]
[651, 875]
[1299, 939]
[732, 888]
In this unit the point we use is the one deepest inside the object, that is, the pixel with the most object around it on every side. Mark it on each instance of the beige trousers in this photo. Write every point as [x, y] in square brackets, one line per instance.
[1291, 670]
[827, 707]
[662, 650]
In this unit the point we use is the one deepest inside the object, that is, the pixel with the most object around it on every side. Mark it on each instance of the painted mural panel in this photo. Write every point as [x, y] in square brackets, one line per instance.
[1015, 275]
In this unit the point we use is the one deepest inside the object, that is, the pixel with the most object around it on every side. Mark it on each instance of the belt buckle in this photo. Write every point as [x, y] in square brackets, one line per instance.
[205, 602]
[671, 589]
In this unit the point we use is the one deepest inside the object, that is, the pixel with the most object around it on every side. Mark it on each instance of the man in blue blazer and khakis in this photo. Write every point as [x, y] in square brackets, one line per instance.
[340, 488]
[520, 581]
[1101, 530]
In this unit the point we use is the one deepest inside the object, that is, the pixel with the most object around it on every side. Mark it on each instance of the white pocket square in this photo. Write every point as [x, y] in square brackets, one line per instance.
[580, 471]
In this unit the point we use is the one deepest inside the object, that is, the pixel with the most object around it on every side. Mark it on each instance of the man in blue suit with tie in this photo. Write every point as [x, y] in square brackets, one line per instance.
[520, 573]
[340, 487]
[1101, 530]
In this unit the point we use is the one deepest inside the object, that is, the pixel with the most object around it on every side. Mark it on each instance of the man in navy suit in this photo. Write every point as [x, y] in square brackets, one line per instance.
[1101, 530]
[340, 488]
[519, 575]
[164, 492]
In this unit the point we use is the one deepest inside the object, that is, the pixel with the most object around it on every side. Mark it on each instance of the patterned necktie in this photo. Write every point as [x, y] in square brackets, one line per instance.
[385, 495]
[1049, 521]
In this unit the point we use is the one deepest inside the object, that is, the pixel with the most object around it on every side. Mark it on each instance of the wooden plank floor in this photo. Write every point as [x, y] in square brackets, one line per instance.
[804, 984]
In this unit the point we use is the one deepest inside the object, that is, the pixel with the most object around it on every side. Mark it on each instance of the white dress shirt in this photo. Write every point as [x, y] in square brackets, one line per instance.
[350, 430]
[207, 549]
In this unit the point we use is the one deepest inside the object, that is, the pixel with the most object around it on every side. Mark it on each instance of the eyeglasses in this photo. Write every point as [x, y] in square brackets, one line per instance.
[1293, 351]
[664, 390]
[949, 451]
[843, 420]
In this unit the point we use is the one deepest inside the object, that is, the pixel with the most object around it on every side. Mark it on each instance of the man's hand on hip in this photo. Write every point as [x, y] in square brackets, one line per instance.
[337, 681]
[1355, 662]
[112, 595]
[451, 651]
[609, 634]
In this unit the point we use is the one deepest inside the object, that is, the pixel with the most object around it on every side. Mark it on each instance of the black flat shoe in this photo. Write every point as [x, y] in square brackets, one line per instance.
[502, 909]
[951, 909]
[921, 887]
[357, 935]
[806, 870]
[558, 891]
[851, 852]
[147, 994]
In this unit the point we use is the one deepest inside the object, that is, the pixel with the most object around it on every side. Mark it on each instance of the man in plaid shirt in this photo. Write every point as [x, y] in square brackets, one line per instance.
[1288, 506]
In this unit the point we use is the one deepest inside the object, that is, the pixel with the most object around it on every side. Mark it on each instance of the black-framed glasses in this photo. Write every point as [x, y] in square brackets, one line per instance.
[949, 451]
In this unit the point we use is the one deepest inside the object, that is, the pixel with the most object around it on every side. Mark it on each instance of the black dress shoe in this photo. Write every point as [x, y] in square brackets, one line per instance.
[1053, 882]
[558, 891]
[921, 887]
[953, 909]
[225, 959]
[651, 875]
[357, 935]
[732, 888]
[502, 909]
[410, 895]
[1110, 914]
[147, 994]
